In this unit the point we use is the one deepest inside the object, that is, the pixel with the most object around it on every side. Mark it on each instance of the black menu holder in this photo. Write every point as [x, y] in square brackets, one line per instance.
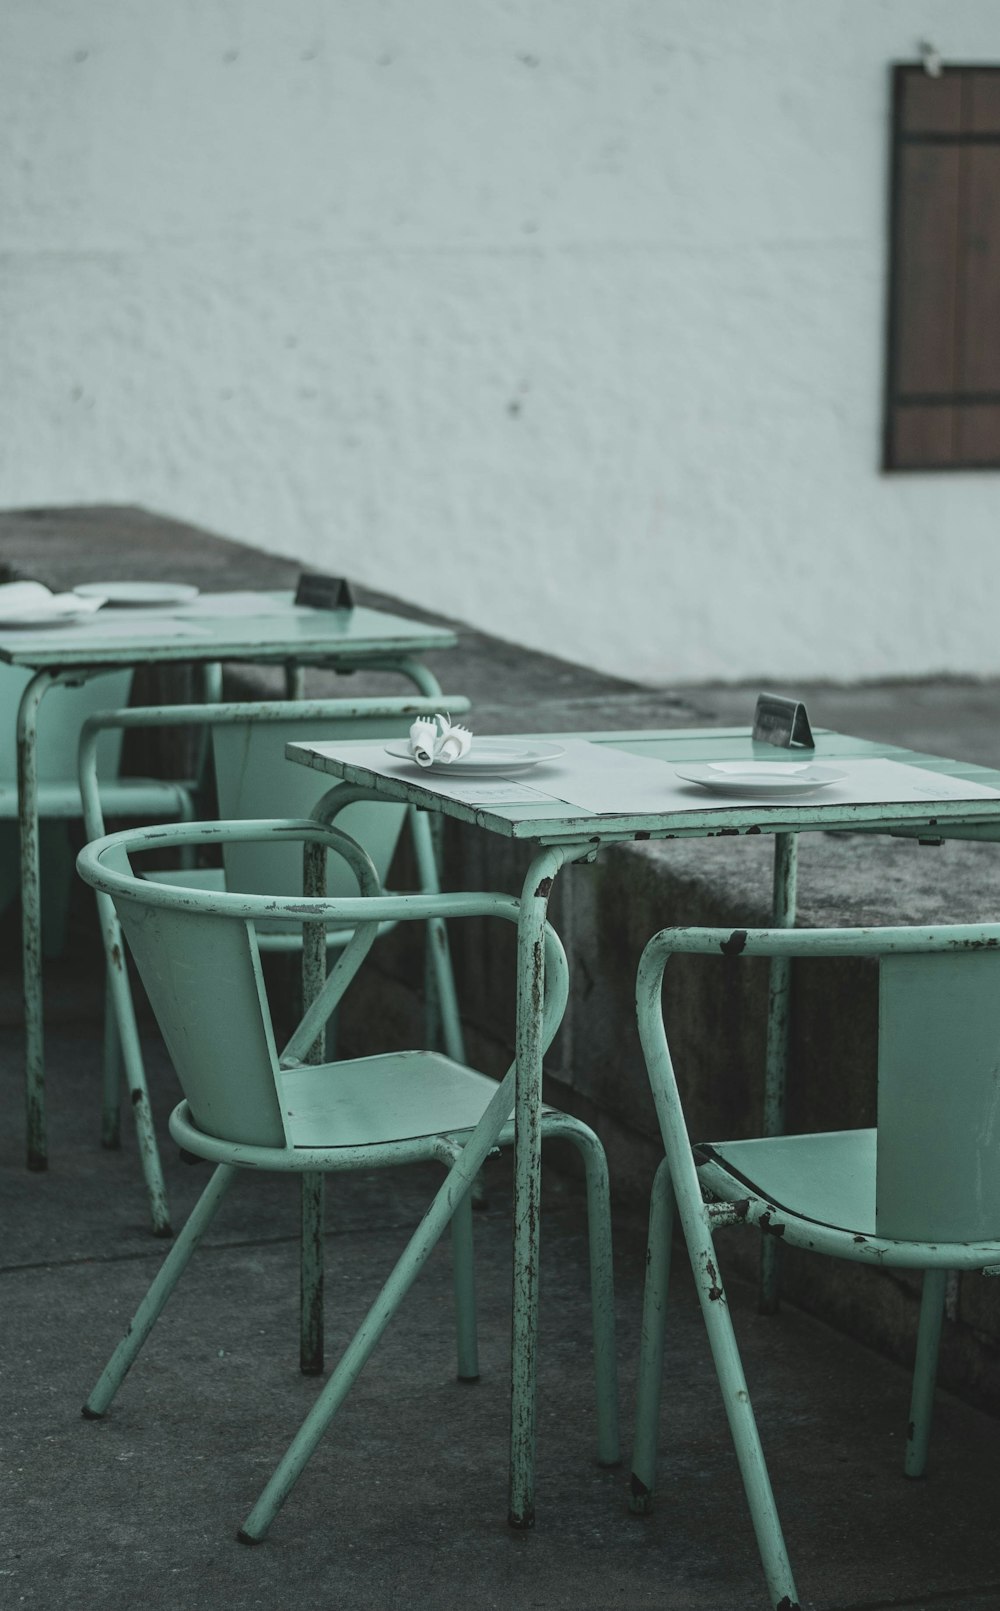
[321, 592]
[781, 721]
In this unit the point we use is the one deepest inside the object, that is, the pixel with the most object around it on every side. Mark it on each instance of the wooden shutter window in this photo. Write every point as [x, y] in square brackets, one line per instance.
[943, 372]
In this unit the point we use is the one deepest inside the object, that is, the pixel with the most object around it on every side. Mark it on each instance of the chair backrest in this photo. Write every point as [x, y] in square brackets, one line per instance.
[62, 714]
[938, 1122]
[201, 972]
[255, 780]
[938, 1166]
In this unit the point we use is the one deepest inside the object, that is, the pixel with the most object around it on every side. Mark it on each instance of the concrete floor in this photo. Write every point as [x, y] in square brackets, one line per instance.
[404, 1503]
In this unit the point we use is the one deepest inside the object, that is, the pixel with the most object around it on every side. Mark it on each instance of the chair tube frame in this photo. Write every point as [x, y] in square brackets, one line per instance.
[679, 1181]
[466, 1160]
[123, 1052]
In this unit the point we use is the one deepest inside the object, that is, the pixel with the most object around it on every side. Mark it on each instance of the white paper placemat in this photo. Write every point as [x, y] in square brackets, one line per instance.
[598, 780]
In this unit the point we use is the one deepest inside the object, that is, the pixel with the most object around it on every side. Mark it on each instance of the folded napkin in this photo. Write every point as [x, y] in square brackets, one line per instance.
[434, 740]
[33, 598]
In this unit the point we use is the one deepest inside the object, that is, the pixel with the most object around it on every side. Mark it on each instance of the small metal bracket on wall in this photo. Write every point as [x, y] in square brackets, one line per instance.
[931, 58]
[781, 721]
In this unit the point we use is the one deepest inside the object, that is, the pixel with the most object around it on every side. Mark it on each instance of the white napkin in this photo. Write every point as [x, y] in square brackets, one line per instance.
[33, 598]
[436, 740]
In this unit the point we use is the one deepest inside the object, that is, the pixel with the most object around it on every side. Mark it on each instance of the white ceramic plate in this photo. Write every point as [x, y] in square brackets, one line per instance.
[489, 757]
[31, 620]
[760, 779]
[138, 594]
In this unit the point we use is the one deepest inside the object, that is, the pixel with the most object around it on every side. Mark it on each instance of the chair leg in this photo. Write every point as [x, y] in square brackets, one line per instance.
[739, 1411]
[925, 1371]
[313, 1189]
[111, 1107]
[163, 1284]
[654, 1328]
[464, 1279]
[408, 1266]
[602, 1288]
[124, 1012]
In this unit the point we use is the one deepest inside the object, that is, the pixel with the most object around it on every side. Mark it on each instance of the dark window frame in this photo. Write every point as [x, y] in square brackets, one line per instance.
[944, 271]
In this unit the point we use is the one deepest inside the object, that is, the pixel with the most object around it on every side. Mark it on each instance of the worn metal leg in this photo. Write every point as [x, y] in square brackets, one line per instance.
[163, 1285]
[123, 1015]
[311, 1277]
[528, 1182]
[925, 1371]
[416, 673]
[405, 664]
[696, 1220]
[654, 1330]
[111, 1106]
[31, 916]
[778, 1029]
[739, 1412]
[602, 1284]
[446, 1202]
[464, 1282]
[311, 1338]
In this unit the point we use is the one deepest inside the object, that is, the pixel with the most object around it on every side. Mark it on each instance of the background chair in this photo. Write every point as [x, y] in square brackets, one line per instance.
[921, 1190]
[254, 780]
[246, 1107]
[65, 710]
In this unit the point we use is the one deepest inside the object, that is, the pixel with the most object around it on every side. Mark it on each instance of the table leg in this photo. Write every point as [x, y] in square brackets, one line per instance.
[295, 680]
[422, 679]
[528, 1178]
[418, 674]
[312, 1186]
[31, 915]
[778, 1027]
[311, 1272]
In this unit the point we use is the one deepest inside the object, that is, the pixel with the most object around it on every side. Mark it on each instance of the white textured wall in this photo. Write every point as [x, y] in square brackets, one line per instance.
[565, 314]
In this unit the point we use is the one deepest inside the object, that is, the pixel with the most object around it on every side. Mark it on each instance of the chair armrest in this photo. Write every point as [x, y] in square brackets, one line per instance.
[231, 713]
[104, 865]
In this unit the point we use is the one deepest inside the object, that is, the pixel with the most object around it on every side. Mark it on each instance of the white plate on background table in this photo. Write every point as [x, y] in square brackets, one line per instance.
[759, 780]
[137, 595]
[31, 620]
[489, 757]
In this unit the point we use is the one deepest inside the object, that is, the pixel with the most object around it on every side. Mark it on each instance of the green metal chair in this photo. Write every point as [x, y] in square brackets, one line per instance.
[920, 1191]
[253, 780]
[247, 1108]
[66, 709]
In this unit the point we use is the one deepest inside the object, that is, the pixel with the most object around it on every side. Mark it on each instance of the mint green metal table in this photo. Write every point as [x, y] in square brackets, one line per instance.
[630, 791]
[264, 628]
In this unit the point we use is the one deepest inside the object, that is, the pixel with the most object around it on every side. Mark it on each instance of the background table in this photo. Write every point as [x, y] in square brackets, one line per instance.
[251, 627]
[961, 801]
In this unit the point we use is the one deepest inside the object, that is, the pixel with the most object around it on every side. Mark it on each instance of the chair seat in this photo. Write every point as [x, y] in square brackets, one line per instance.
[829, 1177]
[398, 1096]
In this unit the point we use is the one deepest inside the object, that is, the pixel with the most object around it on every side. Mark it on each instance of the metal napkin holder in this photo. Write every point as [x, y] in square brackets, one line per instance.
[781, 721]
[320, 592]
